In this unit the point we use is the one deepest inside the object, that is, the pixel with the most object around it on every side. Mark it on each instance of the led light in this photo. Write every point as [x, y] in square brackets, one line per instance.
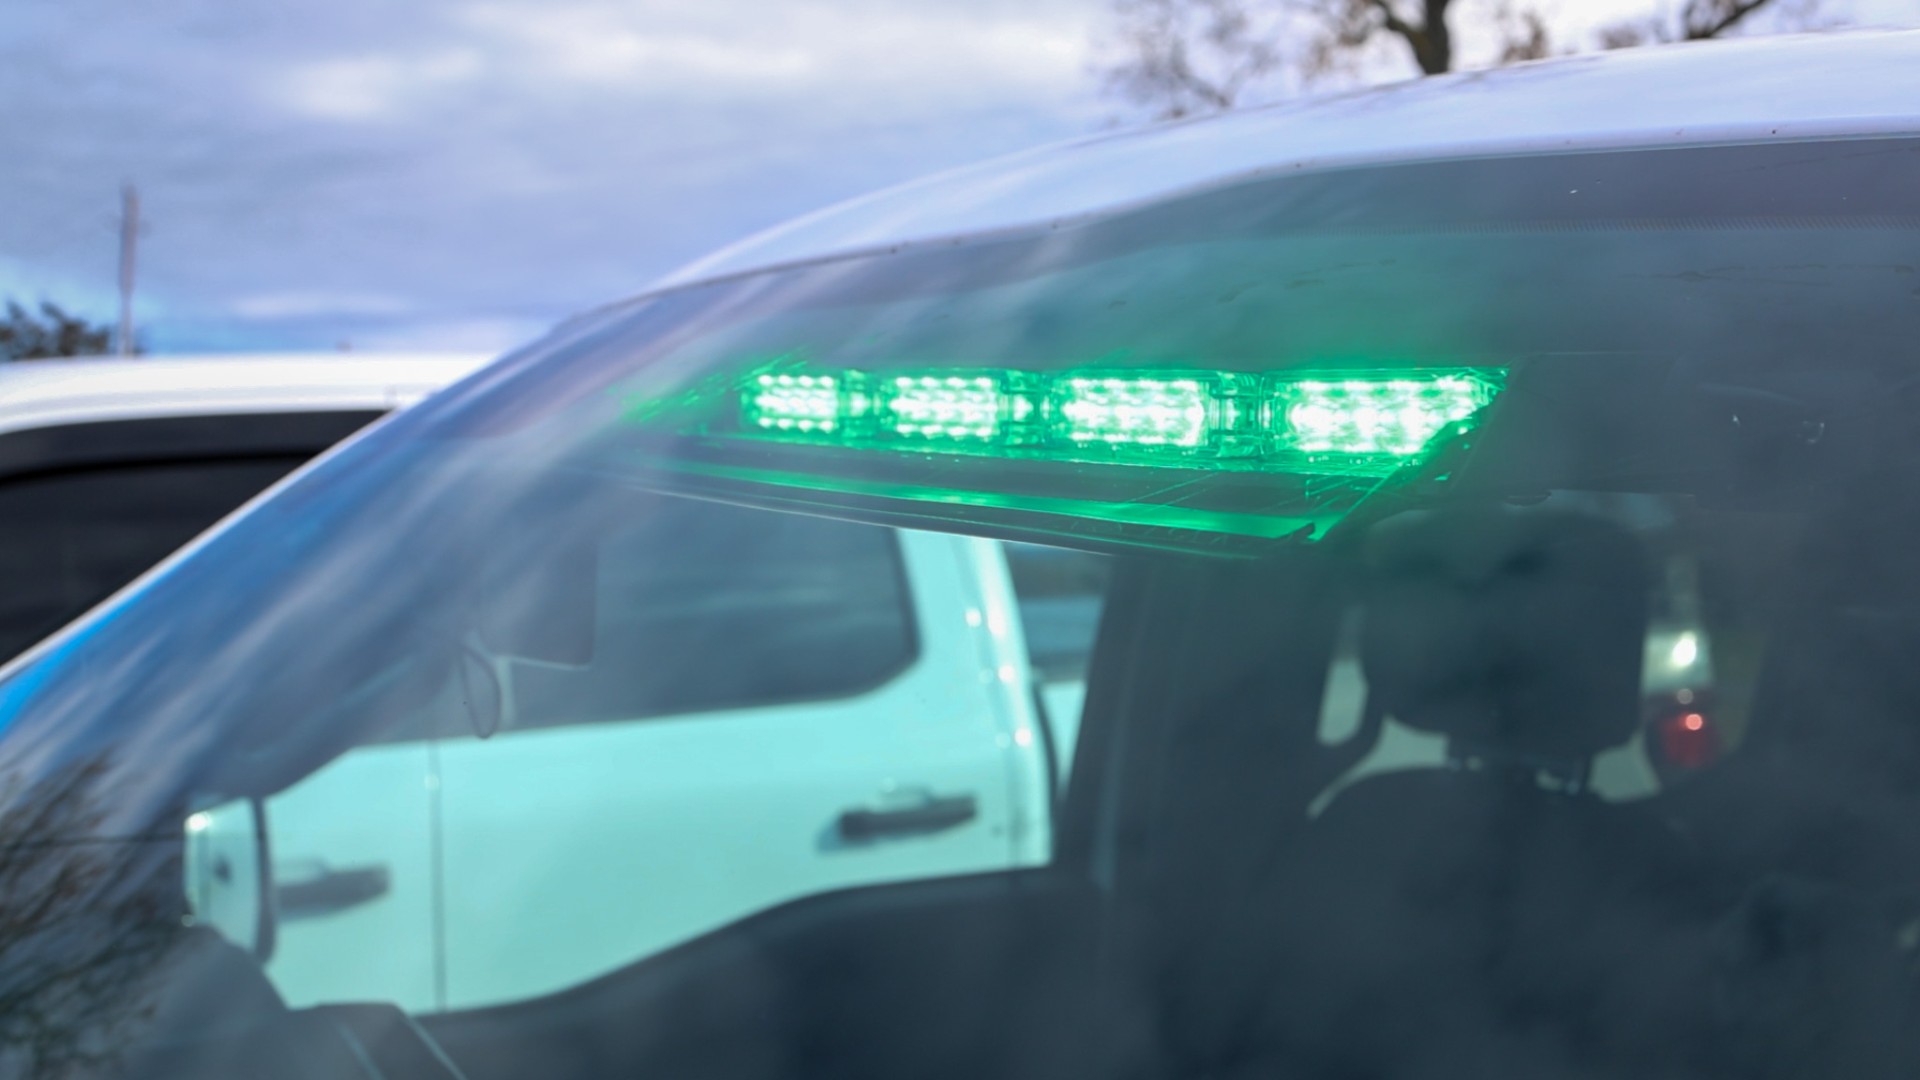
[792, 403]
[1373, 417]
[942, 406]
[1131, 412]
[1686, 650]
[1359, 423]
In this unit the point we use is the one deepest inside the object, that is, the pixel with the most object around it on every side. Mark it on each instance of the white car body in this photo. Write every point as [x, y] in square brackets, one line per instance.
[50, 393]
[813, 762]
[569, 825]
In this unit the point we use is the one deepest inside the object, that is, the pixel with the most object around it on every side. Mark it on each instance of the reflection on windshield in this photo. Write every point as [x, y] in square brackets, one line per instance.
[525, 738]
[86, 918]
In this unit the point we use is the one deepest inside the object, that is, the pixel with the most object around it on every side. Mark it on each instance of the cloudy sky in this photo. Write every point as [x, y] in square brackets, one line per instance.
[461, 173]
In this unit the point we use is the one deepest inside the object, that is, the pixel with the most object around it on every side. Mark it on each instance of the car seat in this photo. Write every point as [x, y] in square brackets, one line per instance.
[1491, 918]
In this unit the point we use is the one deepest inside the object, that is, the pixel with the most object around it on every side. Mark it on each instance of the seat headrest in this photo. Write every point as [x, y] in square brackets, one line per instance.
[1518, 634]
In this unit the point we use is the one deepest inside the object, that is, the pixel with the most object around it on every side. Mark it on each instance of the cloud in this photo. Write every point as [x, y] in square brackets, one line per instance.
[309, 303]
[604, 45]
[805, 54]
[373, 87]
[325, 170]
[476, 335]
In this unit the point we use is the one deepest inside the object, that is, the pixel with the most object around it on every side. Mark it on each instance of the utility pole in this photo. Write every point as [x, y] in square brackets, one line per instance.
[129, 242]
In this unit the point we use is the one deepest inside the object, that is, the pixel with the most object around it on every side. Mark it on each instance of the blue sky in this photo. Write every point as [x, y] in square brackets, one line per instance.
[458, 174]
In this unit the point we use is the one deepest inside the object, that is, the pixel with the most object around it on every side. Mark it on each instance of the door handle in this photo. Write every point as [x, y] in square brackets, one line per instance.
[932, 815]
[324, 890]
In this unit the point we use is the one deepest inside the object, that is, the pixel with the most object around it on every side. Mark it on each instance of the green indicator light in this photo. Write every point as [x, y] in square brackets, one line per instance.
[793, 403]
[1374, 417]
[1360, 423]
[943, 406]
[1131, 412]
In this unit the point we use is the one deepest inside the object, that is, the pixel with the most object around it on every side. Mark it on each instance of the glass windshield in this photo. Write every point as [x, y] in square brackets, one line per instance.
[1424, 620]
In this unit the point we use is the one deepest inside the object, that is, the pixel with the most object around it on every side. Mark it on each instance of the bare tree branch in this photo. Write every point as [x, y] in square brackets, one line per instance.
[1391, 18]
[1187, 56]
[1704, 19]
[1523, 35]
[1701, 20]
[1183, 57]
[88, 917]
[1431, 45]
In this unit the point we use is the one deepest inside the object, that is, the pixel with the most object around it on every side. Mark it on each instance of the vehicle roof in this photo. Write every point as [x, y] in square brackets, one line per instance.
[45, 393]
[1842, 85]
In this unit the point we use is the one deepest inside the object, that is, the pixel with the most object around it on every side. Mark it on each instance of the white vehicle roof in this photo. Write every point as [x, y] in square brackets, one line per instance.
[1797, 87]
[46, 393]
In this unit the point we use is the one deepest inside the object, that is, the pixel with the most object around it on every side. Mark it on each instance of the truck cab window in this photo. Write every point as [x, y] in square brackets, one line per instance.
[68, 540]
[753, 706]
[705, 606]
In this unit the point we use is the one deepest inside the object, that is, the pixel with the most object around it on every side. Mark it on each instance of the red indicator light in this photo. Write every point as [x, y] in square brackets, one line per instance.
[1687, 740]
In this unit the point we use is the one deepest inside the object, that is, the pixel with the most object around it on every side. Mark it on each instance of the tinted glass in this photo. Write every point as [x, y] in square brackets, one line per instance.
[69, 540]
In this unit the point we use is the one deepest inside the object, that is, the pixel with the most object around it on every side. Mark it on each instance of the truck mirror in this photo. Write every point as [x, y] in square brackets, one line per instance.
[229, 874]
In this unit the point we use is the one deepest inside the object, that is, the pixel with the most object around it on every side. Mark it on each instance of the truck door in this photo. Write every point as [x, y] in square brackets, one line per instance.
[350, 915]
[775, 705]
[353, 880]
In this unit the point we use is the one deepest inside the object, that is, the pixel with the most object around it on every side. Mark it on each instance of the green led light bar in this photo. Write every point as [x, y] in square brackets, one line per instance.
[1131, 411]
[942, 406]
[1361, 417]
[797, 403]
[1357, 423]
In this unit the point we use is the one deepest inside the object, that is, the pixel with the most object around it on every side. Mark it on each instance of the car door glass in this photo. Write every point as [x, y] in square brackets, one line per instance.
[703, 607]
[1061, 594]
[68, 540]
[768, 706]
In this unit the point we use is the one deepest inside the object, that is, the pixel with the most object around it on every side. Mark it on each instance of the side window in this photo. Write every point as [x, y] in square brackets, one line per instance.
[709, 712]
[1061, 594]
[703, 607]
[68, 540]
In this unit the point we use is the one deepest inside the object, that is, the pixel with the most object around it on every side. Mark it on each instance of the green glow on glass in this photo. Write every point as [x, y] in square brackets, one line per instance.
[802, 403]
[1131, 411]
[1354, 423]
[1257, 526]
[1393, 417]
[945, 406]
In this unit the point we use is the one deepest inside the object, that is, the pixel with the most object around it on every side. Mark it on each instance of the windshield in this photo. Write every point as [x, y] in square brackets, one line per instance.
[1427, 620]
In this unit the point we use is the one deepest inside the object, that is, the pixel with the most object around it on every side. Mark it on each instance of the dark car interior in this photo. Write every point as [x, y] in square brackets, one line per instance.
[1493, 918]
